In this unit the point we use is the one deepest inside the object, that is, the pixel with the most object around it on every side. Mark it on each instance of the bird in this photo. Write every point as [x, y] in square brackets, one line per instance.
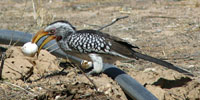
[95, 46]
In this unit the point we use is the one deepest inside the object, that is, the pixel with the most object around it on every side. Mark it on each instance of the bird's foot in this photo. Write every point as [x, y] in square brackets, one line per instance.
[97, 64]
[86, 64]
[97, 69]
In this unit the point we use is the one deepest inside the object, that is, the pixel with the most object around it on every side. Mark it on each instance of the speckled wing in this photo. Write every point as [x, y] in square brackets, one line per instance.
[91, 41]
[88, 41]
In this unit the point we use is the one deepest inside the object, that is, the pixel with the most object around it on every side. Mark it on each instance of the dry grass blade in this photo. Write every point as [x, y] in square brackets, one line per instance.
[21, 88]
[34, 10]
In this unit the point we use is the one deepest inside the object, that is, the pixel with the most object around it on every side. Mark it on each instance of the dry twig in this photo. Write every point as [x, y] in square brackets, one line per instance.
[85, 76]
[114, 21]
[3, 57]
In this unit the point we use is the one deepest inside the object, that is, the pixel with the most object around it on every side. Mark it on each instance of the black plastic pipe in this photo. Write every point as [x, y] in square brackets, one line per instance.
[130, 86]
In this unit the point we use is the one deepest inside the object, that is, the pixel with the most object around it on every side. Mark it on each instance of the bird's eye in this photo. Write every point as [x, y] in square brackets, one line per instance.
[52, 31]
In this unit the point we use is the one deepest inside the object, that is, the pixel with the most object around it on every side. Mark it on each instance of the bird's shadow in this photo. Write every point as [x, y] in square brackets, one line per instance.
[54, 73]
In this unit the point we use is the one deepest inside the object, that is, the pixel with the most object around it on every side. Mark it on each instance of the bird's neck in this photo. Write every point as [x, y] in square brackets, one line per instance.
[63, 44]
[68, 33]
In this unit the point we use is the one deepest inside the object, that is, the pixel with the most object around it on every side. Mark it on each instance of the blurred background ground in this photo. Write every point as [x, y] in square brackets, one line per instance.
[166, 29]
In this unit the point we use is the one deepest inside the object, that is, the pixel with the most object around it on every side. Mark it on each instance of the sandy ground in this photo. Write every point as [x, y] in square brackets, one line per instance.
[166, 29]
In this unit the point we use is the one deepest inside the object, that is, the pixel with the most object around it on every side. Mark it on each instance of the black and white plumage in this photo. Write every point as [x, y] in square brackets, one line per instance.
[95, 46]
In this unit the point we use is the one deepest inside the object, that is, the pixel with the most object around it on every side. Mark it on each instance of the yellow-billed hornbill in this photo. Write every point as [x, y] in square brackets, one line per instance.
[95, 46]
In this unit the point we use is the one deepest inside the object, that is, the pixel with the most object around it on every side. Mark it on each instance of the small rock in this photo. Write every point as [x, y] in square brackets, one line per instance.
[150, 69]
[191, 66]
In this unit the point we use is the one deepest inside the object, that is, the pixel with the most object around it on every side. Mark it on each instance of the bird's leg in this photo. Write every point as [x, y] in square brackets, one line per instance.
[97, 64]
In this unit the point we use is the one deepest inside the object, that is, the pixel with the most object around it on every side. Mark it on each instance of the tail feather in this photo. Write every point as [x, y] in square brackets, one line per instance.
[161, 62]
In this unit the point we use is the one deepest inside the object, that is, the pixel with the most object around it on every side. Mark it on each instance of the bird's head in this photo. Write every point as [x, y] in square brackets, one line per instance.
[56, 30]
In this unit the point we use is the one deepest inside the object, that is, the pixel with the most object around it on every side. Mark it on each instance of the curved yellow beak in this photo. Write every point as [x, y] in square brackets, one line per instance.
[38, 36]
